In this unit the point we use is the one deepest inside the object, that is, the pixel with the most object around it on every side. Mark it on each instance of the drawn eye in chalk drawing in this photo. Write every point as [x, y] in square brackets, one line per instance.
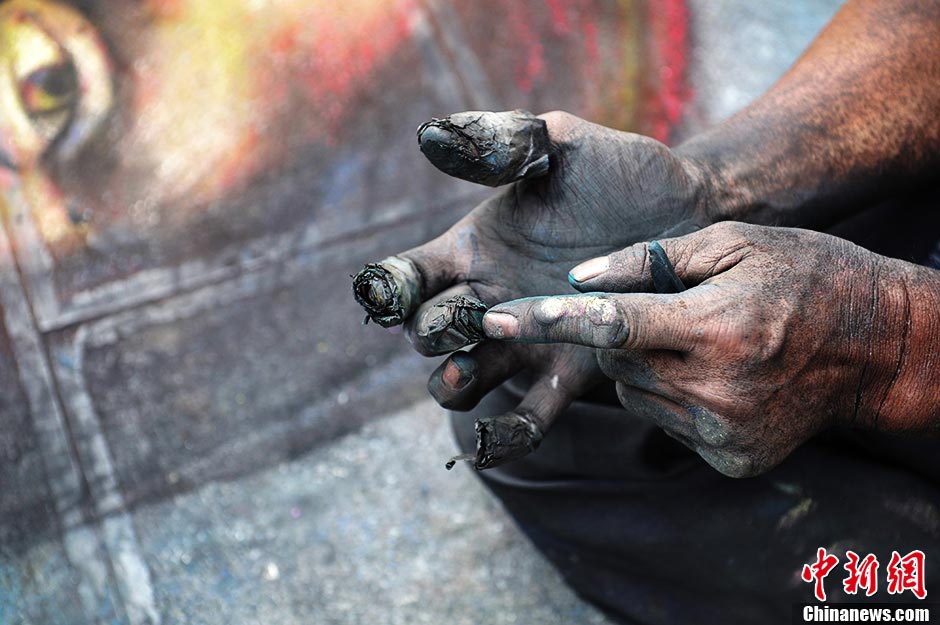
[55, 82]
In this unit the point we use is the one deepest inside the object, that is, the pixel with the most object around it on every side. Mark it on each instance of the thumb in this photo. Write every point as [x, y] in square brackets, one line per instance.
[645, 267]
[487, 148]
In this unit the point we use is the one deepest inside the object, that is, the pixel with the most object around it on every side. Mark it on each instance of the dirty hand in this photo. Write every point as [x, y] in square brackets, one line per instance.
[784, 333]
[603, 189]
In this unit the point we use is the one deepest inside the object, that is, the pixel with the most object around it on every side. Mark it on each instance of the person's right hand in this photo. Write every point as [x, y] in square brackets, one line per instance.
[604, 190]
[784, 333]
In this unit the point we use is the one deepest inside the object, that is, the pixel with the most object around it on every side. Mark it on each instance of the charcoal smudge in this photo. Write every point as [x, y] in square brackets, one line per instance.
[487, 148]
[502, 439]
[453, 323]
[388, 291]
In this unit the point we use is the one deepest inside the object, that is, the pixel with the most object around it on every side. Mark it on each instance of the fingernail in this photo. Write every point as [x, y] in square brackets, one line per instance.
[590, 269]
[432, 136]
[499, 325]
[456, 376]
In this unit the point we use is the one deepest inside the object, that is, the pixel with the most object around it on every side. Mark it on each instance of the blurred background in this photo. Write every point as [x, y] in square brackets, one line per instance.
[196, 428]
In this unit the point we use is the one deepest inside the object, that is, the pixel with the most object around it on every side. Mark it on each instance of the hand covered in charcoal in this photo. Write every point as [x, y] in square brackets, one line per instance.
[575, 190]
[783, 333]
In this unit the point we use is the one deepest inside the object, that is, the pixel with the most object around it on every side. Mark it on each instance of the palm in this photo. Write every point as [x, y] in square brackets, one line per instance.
[604, 190]
[602, 194]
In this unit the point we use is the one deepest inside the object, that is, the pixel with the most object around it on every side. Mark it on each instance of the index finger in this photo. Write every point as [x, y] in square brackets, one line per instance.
[602, 320]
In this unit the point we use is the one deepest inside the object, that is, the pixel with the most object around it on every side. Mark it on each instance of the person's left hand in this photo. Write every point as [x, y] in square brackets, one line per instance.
[603, 189]
[784, 333]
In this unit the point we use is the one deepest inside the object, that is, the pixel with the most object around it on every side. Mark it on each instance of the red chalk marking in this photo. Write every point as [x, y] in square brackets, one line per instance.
[559, 15]
[669, 24]
[534, 64]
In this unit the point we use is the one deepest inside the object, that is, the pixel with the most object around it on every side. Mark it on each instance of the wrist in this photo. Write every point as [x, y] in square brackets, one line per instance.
[720, 197]
[899, 386]
[705, 195]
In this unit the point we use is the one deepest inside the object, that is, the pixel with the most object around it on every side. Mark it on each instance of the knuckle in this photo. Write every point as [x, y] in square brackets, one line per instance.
[550, 310]
[734, 229]
[417, 342]
[628, 267]
[608, 336]
[586, 319]
[739, 334]
[625, 333]
[559, 118]
[729, 239]
[733, 335]
[562, 125]
[764, 345]
[604, 322]
[682, 253]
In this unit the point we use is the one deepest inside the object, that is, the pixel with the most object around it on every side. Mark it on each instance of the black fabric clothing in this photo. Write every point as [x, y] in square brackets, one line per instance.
[641, 526]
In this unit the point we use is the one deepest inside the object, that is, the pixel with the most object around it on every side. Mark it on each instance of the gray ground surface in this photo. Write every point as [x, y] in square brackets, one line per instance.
[370, 529]
[356, 532]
